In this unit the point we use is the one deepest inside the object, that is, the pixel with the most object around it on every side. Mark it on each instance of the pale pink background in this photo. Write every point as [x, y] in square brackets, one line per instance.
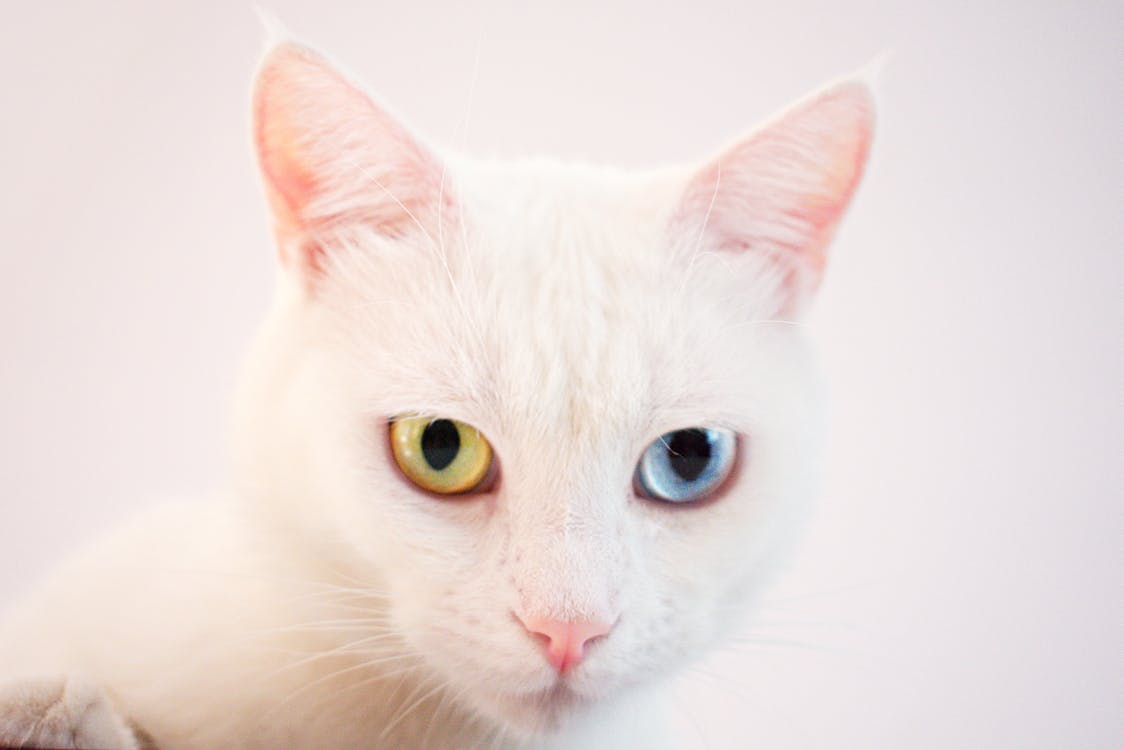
[962, 584]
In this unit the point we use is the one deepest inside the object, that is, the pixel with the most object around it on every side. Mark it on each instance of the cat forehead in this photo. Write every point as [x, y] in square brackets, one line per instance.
[577, 349]
[553, 303]
[534, 205]
[585, 250]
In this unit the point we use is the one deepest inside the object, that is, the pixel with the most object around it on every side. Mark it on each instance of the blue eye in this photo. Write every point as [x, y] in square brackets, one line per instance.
[686, 465]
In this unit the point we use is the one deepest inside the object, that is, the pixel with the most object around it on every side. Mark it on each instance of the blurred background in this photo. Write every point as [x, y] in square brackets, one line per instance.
[961, 586]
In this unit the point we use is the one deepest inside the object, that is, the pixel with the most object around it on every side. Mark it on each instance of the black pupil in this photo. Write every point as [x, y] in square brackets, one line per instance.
[440, 443]
[688, 451]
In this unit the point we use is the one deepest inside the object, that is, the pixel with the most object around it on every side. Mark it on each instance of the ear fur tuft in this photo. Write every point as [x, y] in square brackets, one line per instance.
[330, 156]
[782, 190]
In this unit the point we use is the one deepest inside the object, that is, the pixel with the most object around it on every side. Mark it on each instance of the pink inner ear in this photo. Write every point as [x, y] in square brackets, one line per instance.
[283, 169]
[328, 154]
[289, 82]
[783, 190]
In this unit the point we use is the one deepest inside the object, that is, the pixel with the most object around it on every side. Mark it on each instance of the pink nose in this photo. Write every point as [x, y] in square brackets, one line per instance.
[564, 642]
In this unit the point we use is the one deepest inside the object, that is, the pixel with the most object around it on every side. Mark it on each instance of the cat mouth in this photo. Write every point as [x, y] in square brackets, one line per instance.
[543, 711]
[561, 695]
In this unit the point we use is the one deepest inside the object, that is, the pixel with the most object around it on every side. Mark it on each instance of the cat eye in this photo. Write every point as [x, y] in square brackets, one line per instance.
[440, 455]
[686, 465]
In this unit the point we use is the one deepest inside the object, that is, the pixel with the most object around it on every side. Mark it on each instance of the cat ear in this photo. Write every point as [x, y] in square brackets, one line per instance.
[782, 190]
[330, 156]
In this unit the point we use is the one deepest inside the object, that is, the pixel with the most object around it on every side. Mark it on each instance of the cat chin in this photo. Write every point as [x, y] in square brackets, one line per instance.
[535, 715]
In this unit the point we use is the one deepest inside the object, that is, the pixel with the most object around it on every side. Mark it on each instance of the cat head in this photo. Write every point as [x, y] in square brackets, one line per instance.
[615, 360]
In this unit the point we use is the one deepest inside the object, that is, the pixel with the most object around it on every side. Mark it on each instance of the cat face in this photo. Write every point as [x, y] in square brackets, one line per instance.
[572, 316]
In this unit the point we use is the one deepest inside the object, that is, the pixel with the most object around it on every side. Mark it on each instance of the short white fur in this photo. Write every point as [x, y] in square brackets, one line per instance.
[573, 314]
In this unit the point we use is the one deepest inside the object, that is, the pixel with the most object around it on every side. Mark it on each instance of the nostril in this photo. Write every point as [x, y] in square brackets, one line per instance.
[594, 639]
[543, 639]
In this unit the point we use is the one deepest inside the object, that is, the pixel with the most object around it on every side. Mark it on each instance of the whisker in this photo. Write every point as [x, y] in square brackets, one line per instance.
[403, 714]
[344, 624]
[368, 664]
[348, 649]
[375, 180]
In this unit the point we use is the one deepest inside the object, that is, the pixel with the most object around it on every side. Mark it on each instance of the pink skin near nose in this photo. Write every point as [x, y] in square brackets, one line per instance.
[564, 641]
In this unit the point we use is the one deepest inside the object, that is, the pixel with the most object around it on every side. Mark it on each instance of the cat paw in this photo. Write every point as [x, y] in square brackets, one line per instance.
[62, 713]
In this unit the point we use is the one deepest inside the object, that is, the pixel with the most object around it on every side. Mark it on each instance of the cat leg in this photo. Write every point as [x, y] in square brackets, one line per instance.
[61, 713]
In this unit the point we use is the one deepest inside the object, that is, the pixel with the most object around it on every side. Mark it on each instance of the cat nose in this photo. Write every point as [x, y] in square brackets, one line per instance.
[565, 642]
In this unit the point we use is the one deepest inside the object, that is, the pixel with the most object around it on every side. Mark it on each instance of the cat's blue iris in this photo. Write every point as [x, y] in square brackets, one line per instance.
[686, 465]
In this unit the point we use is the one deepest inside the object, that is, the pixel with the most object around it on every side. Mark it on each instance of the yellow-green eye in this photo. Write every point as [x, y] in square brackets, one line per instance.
[440, 455]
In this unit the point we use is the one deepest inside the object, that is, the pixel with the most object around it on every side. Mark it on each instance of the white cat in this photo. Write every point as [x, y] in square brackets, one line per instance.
[516, 442]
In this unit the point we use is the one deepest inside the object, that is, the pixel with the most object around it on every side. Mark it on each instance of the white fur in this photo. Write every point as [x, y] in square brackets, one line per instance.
[573, 315]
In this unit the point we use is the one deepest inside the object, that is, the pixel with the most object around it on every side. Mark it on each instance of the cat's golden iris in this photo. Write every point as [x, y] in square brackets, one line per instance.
[440, 455]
